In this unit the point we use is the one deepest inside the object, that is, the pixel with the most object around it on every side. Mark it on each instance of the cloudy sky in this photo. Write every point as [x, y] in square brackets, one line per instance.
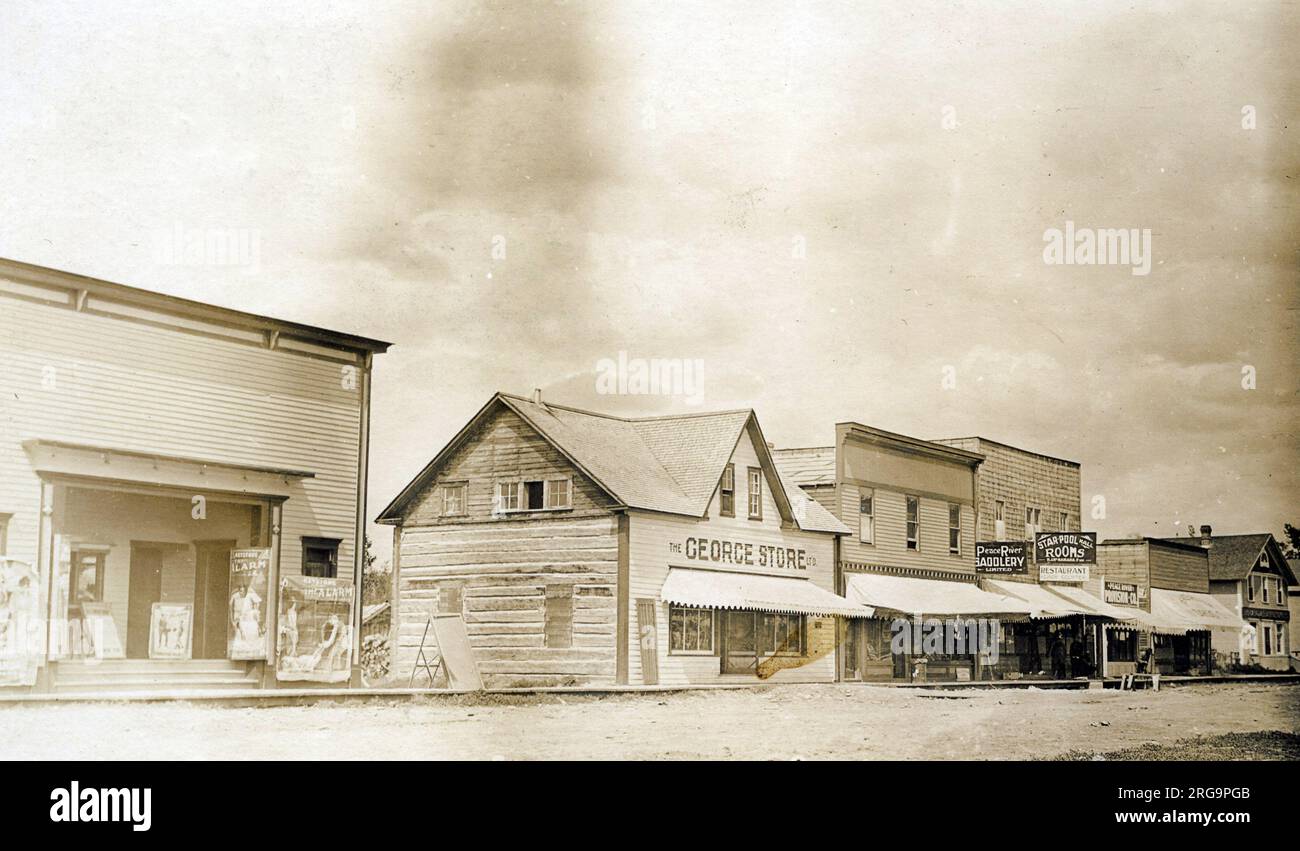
[839, 208]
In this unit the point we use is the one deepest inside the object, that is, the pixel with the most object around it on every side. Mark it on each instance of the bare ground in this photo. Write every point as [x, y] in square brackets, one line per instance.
[768, 722]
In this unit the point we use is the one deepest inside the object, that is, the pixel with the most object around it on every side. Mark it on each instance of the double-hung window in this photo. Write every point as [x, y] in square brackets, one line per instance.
[867, 516]
[913, 522]
[727, 499]
[954, 529]
[755, 493]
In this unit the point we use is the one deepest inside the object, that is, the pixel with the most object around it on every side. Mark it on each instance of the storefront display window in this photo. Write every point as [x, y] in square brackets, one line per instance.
[1121, 645]
[690, 630]
[785, 634]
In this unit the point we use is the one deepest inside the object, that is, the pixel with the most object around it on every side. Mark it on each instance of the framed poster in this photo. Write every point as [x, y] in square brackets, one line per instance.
[315, 636]
[250, 572]
[171, 631]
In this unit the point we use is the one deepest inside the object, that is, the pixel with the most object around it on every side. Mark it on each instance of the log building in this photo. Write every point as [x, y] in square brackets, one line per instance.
[588, 549]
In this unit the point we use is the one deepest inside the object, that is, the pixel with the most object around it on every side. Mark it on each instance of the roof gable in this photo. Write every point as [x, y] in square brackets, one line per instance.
[671, 464]
[1233, 557]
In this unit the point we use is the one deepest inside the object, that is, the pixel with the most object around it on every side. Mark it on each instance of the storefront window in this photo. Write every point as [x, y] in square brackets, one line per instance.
[1122, 645]
[690, 630]
[784, 634]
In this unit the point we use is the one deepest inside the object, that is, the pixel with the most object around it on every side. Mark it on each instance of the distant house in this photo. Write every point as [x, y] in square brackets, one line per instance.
[1249, 575]
[585, 548]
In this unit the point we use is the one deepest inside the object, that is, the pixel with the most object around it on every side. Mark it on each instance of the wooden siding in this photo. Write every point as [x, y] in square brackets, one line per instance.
[504, 572]
[1122, 561]
[890, 547]
[649, 537]
[86, 378]
[504, 448]
[1179, 569]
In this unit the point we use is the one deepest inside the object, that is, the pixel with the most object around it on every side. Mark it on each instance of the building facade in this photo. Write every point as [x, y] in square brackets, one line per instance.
[910, 507]
[1250, 576]
[166, 467]
[587, 549]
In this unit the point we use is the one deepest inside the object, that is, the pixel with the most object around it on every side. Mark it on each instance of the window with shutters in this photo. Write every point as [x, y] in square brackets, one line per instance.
[727, 505]
[559, 616]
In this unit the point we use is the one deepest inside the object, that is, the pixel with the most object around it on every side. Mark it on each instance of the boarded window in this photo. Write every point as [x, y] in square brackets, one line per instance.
[449, 599]
[559, 616]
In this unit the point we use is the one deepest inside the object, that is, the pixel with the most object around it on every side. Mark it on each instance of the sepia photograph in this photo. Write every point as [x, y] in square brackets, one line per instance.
[483, 381]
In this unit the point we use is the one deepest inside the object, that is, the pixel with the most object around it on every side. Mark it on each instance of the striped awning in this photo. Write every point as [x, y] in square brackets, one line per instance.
[1094, 604]
[911, 595]
[720, 589]
[1042, 601]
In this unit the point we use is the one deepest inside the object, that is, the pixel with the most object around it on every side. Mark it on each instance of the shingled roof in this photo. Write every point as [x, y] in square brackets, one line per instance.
[1233, 556]
[671, 463]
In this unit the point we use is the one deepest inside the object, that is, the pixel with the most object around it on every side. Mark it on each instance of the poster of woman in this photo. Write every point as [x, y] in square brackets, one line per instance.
[19, 628]
[315, 634]
[249, 577]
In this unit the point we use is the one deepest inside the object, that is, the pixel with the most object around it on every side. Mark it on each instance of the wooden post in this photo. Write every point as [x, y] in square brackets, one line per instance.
[46, 563]
[273, 599]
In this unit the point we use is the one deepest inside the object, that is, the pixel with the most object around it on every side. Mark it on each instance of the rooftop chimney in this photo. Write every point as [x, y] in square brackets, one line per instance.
[1205, 537]
[537, 399]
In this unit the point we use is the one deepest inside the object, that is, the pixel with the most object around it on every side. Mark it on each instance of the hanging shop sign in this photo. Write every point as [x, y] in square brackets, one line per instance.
[1001, 557]
[250, 572]
[1120, 593]
[171, 630]
[1065, 547]
[743, 553]
[20, 630]
[315, 632]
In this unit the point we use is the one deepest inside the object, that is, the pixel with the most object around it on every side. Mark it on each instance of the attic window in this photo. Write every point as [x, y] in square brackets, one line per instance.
[534, 495]
[727, 506]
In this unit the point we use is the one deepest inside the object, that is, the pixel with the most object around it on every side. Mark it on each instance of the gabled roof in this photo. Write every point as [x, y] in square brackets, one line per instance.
[1233, 556]
[671, 464]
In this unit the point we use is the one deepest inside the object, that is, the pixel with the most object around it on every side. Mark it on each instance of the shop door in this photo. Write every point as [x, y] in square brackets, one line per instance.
[211, 598]
[740, 653]
[144, 589]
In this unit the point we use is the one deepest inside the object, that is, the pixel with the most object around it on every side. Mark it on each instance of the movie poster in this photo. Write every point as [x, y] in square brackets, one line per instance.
[171, 631]
[20, 645]
[315, 631]
[250, 572]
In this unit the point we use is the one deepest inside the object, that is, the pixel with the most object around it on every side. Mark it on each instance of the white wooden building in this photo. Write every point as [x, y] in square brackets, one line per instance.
[144, 437]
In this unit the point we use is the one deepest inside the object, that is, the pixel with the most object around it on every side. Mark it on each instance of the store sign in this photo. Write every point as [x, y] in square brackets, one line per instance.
[1063, 573]
[250, 572]
[315, 634]
[1001, 557]
[1065, 548]
[1265, 614]
[743, 553]
[1120, 593]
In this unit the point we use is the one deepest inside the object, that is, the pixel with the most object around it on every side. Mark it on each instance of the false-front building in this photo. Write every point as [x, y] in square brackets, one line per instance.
[587, 549]
[170, 474]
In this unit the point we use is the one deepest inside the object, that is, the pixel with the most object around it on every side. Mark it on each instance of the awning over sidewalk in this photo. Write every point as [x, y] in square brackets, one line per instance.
[928, 596]
[1094, 604]
[718, 589]
[1191, 610]
[1042, 602]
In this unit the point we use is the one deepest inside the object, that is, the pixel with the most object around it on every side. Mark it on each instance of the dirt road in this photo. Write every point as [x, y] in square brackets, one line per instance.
[771, 722]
